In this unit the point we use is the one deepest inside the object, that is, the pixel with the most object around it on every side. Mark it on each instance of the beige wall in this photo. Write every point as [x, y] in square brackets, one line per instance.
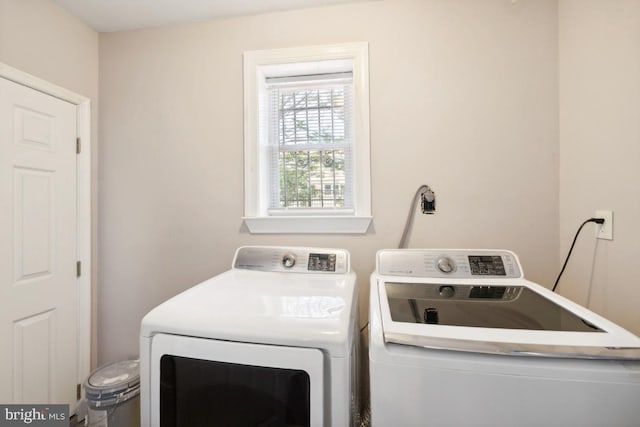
[40, 38]
[473, 113]
[463, 98]
[600, 152]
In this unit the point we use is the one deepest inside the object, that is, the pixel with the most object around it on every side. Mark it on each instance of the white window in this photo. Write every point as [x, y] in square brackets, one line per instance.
[307, 140]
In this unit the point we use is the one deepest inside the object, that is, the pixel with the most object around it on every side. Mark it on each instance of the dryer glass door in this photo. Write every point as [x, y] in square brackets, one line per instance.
[203, 382]
[204, 392]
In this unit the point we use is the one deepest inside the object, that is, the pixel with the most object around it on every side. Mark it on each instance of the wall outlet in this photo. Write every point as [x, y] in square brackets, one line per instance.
[604, 231]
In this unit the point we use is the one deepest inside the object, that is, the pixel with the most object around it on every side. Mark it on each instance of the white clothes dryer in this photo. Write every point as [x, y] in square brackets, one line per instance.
[460, 338]
[271, 342]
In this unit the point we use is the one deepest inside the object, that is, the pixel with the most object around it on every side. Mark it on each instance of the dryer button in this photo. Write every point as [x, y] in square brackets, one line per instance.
[446, 291]
[446, 265]
[288, 260]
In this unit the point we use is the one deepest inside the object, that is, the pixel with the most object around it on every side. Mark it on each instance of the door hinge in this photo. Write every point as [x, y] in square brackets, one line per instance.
[78, 146]
[78, 391]
[78, 268]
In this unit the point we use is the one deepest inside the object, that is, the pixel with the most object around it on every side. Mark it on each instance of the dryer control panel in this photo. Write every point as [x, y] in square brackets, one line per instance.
[449, 263]
[292, 259]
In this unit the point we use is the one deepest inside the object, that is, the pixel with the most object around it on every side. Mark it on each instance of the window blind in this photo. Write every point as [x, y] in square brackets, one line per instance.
[310, 142]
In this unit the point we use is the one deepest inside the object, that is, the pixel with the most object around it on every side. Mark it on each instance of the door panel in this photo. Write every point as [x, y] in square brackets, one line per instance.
[33, 128]
[38, 296]
[34, 346]
[33, 223]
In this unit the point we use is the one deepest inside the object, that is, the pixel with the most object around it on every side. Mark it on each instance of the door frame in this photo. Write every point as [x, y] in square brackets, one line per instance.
[83, 183]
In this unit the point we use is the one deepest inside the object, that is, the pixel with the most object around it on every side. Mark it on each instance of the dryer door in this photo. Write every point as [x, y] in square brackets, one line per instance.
[203, 382]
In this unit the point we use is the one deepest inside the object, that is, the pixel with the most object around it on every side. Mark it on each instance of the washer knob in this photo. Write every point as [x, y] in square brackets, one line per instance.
[288, 260]
[446, 265]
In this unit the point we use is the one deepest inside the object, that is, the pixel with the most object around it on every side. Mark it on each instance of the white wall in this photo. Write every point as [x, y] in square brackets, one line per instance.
[40, 38]
[600, 152]
[463, 98]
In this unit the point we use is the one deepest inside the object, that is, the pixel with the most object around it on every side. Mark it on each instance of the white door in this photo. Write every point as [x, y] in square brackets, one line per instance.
[38, 299]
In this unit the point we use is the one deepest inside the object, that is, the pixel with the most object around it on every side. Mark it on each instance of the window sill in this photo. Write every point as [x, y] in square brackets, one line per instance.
[308, 224]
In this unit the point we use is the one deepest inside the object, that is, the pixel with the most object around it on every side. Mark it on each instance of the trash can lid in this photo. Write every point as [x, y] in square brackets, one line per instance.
[114, 378]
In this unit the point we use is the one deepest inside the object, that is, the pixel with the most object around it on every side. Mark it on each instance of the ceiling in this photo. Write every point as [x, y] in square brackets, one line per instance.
[118, 15]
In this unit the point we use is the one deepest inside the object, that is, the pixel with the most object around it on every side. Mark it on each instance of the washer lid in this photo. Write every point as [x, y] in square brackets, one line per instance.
[114, 378]
[484, 305]
[525, 319]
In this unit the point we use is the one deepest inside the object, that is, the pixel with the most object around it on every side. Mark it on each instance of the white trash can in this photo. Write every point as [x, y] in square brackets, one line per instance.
[113, 395]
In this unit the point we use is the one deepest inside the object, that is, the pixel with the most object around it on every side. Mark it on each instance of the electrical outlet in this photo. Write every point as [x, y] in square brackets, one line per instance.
[604, 231]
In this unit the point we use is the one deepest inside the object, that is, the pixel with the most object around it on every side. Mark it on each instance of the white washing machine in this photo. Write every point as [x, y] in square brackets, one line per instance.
[271, 342]
[460, 338]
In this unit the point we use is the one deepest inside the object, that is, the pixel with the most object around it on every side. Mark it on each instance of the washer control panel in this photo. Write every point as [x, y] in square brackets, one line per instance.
[453, 263]
[292, 259]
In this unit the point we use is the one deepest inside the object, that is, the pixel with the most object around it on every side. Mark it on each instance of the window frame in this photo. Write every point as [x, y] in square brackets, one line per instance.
[258, 66]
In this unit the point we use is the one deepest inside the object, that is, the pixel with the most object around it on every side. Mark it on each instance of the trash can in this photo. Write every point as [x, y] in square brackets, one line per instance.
[113, 395]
